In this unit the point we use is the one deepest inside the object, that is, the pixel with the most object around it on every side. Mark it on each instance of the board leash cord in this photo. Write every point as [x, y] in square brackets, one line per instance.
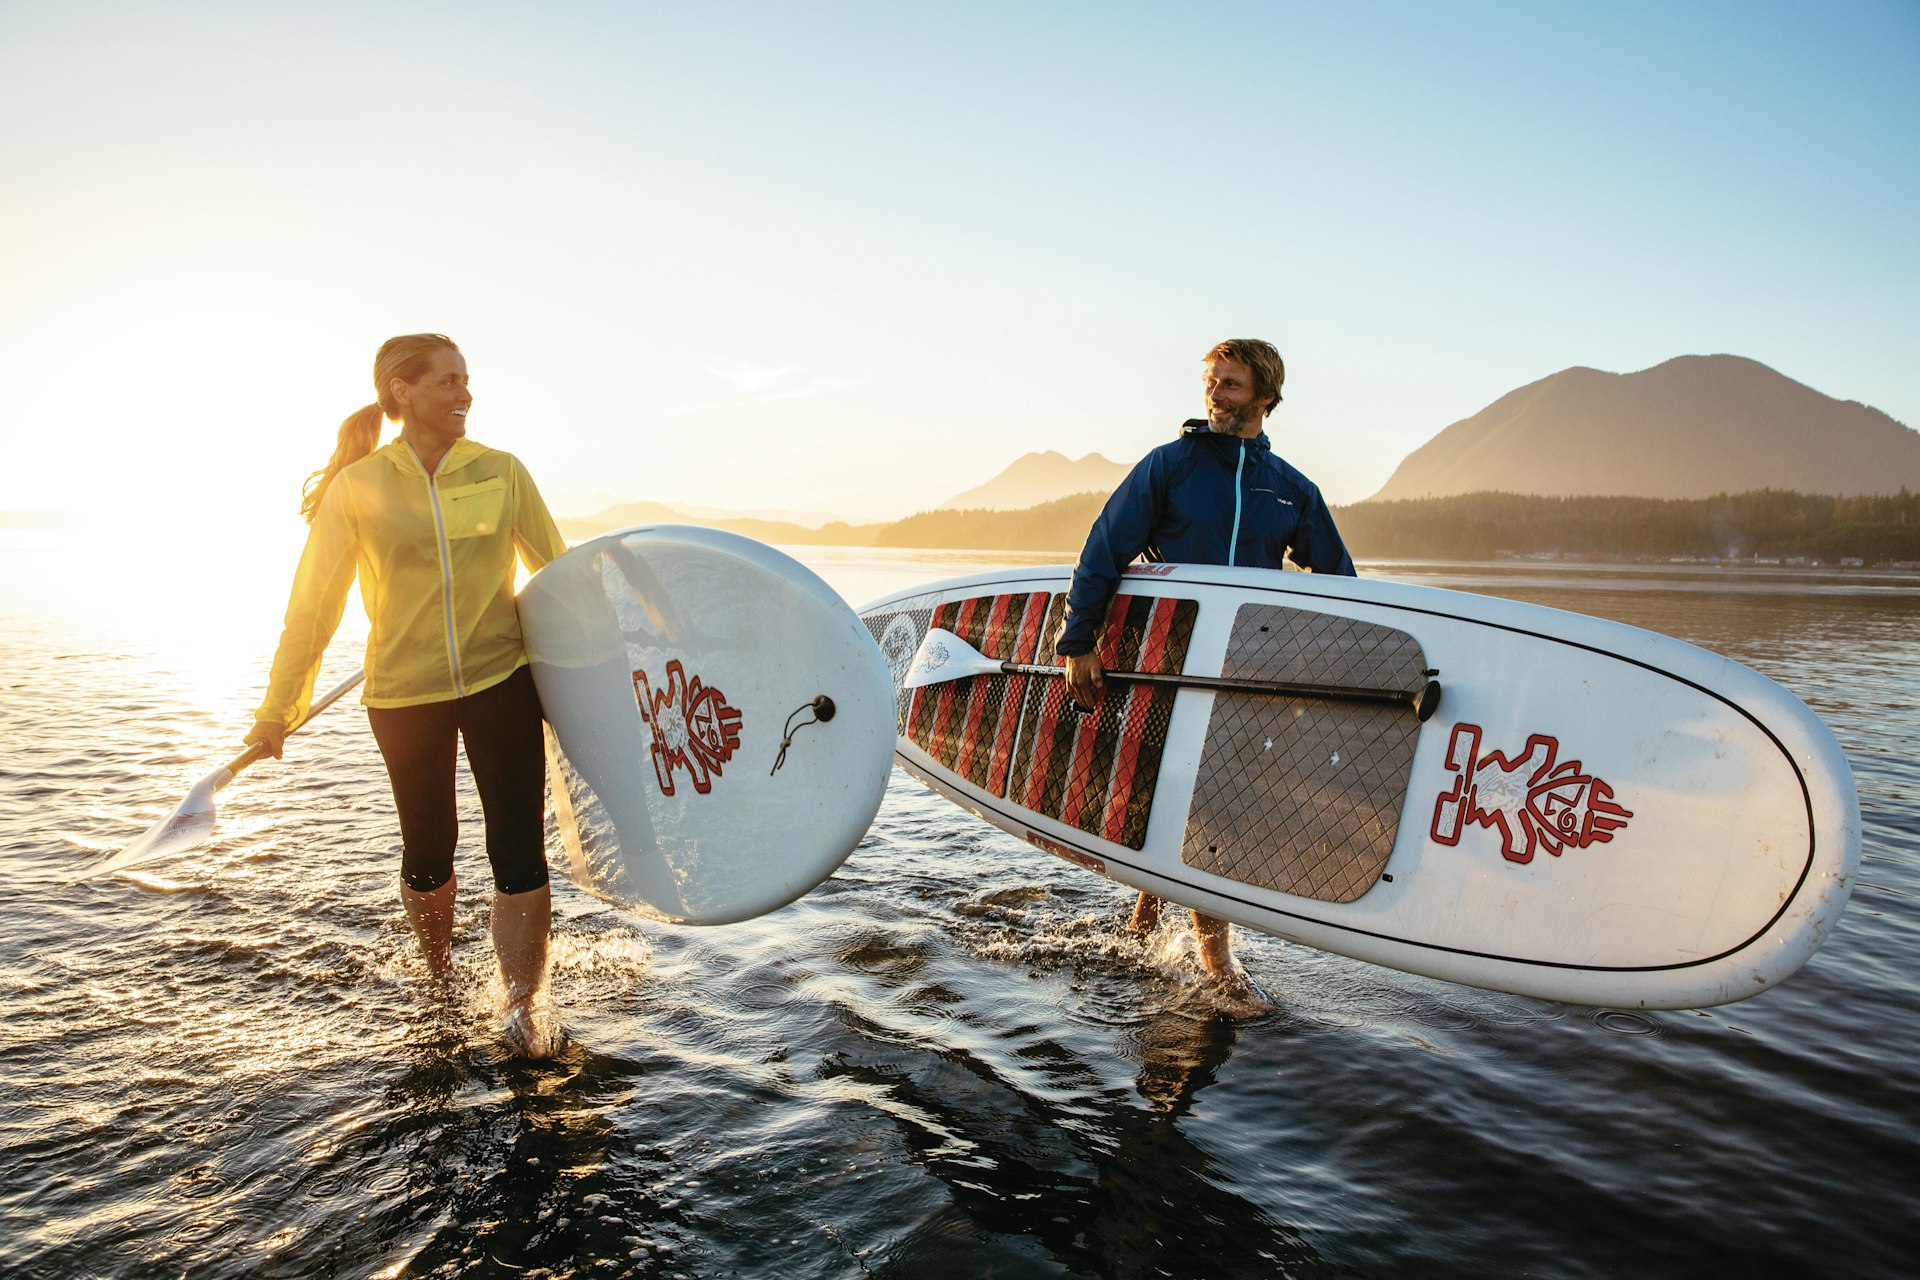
[822, 708]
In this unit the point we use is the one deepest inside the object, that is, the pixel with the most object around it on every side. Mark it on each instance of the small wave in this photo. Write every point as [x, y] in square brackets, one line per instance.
[153, 883]
[88, 844]
[1624, 1022]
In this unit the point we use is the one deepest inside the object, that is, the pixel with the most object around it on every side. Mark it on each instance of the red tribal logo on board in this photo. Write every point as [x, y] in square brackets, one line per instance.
[1533, 801]
[693, 727]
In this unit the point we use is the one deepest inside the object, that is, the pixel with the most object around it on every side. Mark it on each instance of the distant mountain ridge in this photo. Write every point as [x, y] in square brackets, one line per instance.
[1036, 478]
[1692, 427]
[759, 527]
[1683, 432]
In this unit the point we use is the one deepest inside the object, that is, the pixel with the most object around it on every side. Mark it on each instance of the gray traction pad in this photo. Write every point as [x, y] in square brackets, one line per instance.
[1300, 795]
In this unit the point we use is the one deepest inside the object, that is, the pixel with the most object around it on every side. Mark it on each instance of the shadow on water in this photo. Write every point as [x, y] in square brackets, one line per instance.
[497, 1159]
[1107, 1187]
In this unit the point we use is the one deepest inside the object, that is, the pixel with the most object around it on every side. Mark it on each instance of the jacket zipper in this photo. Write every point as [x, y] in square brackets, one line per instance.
[1233, 543]
[446, 582]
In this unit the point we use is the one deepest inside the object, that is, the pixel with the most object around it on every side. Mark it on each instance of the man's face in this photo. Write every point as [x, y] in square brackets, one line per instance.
[1232, 406]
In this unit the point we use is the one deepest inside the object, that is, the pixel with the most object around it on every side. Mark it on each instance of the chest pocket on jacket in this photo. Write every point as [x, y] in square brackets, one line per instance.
[474, 510]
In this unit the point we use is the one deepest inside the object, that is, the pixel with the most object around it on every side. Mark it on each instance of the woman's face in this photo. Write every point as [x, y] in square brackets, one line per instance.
[436, 403]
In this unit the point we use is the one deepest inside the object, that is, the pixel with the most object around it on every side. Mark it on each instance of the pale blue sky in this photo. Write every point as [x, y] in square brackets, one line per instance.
[859, 257]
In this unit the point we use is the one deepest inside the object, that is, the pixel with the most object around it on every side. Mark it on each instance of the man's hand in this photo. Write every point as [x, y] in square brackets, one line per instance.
[1084, 677]
[274, 735]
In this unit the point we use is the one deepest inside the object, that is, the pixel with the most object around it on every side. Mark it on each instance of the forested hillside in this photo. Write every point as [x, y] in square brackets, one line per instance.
[1767, 524]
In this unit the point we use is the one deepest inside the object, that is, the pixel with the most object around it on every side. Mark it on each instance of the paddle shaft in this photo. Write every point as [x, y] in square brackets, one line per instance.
[325, 700]
[1422, 700]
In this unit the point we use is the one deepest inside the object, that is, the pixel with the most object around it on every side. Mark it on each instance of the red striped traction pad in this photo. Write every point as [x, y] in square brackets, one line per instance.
[1014, 737]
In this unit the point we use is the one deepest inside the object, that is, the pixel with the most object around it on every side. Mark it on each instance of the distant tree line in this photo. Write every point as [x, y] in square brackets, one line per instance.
[1058, 525]
[1765, 523]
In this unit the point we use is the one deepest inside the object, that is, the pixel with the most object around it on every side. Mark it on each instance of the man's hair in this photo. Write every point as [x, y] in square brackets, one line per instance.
[1269, 370]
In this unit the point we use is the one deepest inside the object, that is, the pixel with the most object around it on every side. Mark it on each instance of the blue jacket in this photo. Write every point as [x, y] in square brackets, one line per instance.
[1201, 499]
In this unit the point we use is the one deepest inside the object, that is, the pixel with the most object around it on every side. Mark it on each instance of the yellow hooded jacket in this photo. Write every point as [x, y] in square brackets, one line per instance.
[435, 559]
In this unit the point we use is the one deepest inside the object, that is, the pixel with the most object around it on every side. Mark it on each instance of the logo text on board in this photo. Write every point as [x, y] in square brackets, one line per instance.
[1535, 800]
[693, 727]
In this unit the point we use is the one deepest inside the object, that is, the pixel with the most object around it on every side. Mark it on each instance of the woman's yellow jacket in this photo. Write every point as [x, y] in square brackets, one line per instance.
[435, 558]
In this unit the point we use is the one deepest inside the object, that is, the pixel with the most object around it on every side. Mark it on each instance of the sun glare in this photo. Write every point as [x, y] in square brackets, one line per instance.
[180, 431]
[180, 409]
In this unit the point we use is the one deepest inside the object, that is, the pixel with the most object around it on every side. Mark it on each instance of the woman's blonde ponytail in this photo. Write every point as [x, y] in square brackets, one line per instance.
[405, 358]
[359, 436]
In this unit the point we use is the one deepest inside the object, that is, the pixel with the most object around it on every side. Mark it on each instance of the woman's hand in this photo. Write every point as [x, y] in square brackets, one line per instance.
[273, 734]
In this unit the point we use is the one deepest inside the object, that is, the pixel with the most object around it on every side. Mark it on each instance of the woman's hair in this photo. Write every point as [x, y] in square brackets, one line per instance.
[405, 358]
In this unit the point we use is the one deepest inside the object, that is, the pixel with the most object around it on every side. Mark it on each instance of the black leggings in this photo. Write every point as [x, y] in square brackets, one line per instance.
[507, 756]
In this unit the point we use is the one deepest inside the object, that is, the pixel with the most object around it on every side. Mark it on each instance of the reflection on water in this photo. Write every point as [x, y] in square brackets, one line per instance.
[950, 1059]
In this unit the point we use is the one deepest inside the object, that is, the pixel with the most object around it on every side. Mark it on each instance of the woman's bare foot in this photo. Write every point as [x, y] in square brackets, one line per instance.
[522, 923]
[526, 1028]
[430, 915]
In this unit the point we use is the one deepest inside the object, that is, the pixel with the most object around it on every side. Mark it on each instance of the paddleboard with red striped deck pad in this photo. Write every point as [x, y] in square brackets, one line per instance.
[1595, 814]
[1007, 736]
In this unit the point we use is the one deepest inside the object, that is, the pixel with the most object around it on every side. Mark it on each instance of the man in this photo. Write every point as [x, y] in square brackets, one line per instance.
[1215, 495]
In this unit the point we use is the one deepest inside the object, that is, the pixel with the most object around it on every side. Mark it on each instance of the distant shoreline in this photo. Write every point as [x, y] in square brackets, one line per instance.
[1761, 529]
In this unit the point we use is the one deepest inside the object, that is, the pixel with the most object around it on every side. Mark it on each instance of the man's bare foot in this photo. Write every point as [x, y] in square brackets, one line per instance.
[1215, 941]
[1241, 996]
[1216, 946]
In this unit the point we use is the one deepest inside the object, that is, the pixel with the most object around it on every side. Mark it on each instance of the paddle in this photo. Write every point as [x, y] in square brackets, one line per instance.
[192, 821]
[945, 656]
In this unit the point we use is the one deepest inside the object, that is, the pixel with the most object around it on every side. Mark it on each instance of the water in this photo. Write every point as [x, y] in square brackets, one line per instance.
[948, 1060]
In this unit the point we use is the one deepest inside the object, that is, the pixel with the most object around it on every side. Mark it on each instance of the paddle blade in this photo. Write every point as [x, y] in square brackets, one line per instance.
[188, 825]
[945, 656]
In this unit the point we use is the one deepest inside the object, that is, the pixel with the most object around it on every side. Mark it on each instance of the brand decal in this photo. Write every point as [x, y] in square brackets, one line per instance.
[1534, 801]
[897, 644]
[1149, 570]
[693, 727]
[932, 655]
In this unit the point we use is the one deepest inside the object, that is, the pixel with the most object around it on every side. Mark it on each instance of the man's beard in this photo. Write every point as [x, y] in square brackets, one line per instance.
[1235, 421]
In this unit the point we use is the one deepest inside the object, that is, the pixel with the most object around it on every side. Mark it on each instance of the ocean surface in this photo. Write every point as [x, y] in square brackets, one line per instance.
[949, 1060]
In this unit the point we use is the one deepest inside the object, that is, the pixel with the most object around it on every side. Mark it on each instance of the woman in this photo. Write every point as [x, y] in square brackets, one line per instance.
[431, 522]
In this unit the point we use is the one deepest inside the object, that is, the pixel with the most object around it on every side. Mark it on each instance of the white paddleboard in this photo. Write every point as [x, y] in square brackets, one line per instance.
[1594, 813]
[720, 725]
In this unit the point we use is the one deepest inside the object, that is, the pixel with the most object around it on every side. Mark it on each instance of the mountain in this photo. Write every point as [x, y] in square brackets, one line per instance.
[1693, 427]
[835, 533]
[573, 505]
[1040, 477]
[590, 507]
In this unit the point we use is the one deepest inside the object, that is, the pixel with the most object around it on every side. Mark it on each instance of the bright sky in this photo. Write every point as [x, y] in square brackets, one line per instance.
[858, 257]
